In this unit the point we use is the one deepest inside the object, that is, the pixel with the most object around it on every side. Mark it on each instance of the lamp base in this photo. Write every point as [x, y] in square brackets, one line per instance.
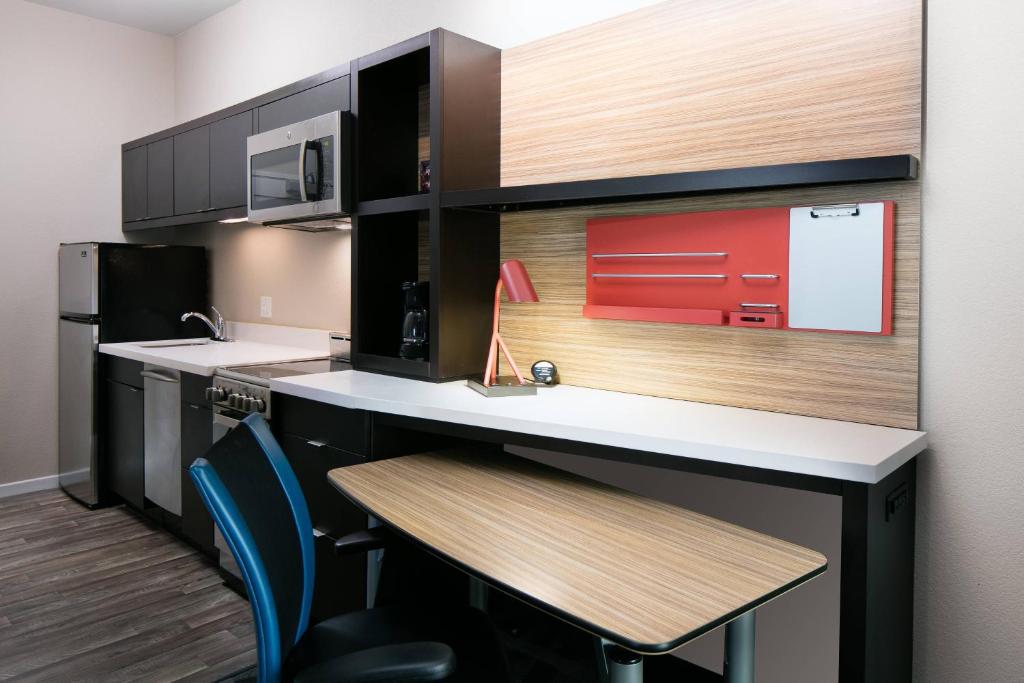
[505, 386]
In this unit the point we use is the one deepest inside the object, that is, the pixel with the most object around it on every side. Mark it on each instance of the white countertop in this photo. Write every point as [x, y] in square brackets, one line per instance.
[203, 359]
[755, 438]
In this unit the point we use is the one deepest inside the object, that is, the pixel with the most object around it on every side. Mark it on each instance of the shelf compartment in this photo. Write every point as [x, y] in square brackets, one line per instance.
[390, 101]
[391, 249]
[664, 186]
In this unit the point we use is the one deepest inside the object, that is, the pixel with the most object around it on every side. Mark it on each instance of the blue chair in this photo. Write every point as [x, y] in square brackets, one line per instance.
[255, 500]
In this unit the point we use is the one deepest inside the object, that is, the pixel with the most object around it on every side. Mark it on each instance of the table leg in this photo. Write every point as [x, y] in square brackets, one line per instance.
[618, 665]
[739, 649]
[478, 594]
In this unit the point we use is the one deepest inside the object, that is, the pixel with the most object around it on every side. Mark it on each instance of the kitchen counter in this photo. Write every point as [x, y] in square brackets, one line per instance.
[203, 359]
[739, 436]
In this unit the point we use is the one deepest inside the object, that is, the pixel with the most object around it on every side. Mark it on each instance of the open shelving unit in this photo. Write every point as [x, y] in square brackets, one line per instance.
[434, 97]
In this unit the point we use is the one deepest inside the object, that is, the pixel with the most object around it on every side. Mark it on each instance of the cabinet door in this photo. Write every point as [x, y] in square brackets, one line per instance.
[133, 184]
[192, 171]
[227, 160]
[196, 439]
[324, 98]
[331, 512]
[124, 442]
[160, 178]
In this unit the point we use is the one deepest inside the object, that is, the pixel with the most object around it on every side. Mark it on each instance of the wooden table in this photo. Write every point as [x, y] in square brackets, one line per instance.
[640, 573]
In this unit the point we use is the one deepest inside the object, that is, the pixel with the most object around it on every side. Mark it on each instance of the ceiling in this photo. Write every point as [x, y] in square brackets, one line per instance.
[169, 17]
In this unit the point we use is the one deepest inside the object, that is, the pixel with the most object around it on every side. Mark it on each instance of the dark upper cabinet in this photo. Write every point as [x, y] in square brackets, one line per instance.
[124, 445]
[160, 178]
[133, 184]
[227, 160]
[192, 171]
[321, 99]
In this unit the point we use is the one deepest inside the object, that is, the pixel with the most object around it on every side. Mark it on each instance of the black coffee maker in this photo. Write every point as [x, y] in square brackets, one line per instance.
[416, 325]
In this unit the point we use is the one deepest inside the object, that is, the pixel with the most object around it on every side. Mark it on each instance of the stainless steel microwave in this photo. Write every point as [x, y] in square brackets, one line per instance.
[297, 175]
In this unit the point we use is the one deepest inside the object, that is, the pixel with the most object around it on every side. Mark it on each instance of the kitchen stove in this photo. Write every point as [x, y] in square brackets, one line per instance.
[246, 388]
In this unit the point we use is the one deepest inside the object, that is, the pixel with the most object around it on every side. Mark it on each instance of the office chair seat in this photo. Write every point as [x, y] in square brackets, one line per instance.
[254, 498]
[319, 655]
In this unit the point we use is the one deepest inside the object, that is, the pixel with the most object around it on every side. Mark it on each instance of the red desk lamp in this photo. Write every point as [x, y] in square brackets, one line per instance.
[519, 289]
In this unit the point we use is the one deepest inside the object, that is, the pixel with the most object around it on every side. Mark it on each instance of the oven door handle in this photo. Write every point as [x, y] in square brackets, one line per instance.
[224, 420]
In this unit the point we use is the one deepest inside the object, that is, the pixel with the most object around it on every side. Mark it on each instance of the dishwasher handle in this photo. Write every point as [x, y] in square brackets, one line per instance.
[153, 374]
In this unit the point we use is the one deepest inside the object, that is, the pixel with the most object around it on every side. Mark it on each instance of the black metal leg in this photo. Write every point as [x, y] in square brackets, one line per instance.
[877, 582]
[739, 649]
[618, 665]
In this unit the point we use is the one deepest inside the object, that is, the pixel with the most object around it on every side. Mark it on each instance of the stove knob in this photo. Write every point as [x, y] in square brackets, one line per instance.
[208, 393]
[247, 404]
[259, 405]
[215, 394]
[234, 400]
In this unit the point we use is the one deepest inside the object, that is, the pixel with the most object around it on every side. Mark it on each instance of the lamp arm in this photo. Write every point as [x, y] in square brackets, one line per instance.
[491, 370]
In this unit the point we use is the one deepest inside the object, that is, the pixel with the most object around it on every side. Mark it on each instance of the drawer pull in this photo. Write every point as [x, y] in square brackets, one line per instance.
[316, 444]
[666, 254]
[674, 276]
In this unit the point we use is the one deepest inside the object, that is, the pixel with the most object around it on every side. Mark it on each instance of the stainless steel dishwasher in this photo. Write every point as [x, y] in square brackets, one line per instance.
[162, 418]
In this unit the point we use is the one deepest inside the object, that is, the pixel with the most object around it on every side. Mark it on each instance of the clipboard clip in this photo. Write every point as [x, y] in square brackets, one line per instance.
[835, 211]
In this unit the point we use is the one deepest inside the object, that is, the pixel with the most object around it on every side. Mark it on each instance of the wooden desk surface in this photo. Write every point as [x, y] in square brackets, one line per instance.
[645, 574]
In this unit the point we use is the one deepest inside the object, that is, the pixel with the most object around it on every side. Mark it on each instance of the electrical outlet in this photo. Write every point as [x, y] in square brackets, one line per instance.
[265, 306]
[898, 499]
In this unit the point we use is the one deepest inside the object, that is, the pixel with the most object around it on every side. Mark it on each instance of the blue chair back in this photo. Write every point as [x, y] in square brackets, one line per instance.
[255, 500]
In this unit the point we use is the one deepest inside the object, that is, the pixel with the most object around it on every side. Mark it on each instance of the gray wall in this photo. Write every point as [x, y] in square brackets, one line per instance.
[72, 89]
[969, 601]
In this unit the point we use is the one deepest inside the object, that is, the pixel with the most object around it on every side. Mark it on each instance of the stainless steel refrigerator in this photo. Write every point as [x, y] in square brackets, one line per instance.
[113, 293]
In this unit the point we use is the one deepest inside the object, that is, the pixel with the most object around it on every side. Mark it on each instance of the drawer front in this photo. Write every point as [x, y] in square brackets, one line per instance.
[193, 389]
[122, 370]
[330, 511]
[344, 428]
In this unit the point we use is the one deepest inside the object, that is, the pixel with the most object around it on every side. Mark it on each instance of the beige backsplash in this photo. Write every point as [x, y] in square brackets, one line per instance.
[308, 275]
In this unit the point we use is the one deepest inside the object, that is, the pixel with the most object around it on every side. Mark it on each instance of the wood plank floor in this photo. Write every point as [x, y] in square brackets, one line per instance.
[106, 596]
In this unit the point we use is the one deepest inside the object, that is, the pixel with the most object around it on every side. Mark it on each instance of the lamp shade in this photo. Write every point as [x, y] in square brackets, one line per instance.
[517, 282]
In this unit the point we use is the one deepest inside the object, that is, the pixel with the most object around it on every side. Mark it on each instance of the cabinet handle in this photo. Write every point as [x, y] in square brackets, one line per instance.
[316, 444]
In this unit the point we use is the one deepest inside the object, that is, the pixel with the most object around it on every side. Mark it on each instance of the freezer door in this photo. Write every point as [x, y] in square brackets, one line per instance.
[79, 279]
[76, 406]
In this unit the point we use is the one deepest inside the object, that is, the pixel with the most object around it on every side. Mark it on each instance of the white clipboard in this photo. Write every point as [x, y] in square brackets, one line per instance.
[836, 267]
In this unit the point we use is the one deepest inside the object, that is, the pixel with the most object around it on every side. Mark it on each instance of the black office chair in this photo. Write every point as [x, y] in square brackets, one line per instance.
[255, 500]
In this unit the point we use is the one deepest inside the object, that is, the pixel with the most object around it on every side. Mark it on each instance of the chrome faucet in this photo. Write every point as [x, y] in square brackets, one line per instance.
[218, 327]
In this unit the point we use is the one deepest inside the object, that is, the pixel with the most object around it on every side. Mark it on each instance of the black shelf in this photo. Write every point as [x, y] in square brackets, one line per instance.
[391, 365]
[412, 202]
[643, 188]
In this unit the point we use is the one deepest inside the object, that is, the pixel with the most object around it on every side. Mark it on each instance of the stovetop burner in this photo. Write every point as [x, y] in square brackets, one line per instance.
[291, 369]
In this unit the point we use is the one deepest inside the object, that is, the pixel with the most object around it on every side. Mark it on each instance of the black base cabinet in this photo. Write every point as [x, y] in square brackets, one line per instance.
[196, 439]
[124, 442]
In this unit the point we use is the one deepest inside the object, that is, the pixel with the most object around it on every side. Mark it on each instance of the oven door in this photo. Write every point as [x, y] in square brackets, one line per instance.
[295, 172]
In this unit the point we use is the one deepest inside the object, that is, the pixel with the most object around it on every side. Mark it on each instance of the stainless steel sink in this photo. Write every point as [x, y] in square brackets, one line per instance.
[173, 343]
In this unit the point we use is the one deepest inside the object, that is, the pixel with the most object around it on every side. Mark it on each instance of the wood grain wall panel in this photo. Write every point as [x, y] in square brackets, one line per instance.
[689, 85]
[848, 377]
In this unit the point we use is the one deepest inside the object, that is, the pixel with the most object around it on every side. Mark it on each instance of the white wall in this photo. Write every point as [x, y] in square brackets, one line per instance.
[969, 603]
[72, 89]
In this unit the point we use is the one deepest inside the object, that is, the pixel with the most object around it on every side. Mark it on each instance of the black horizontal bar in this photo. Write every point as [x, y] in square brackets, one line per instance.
[638, 188]
[412, 202]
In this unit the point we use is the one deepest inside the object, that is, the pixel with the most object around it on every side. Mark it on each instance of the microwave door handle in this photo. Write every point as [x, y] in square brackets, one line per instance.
[302, 170]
